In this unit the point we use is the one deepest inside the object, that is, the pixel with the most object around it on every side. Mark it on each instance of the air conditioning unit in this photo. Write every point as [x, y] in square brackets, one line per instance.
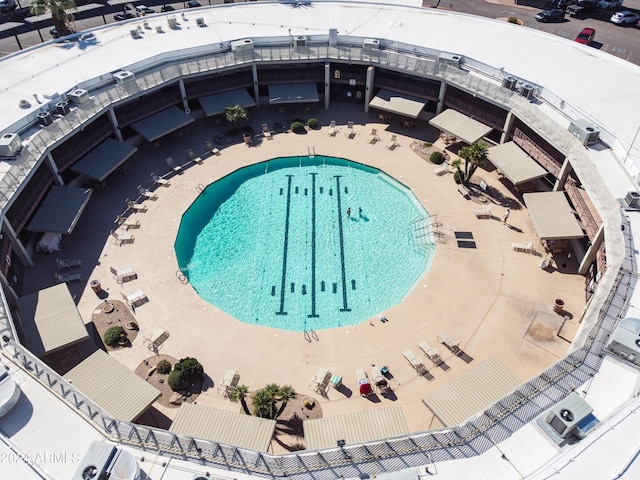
[172, 22]
[63, 108]
[509, 82]
[371, 44]
[449, 60]
[586, 131]
[78, 96]
[527, 90]
[242, 46]
[10, 145]
[103, 461]
[45, 118]
[300, 41]
[632, 199]
[123, 77]
[200, 22]
[566, 416]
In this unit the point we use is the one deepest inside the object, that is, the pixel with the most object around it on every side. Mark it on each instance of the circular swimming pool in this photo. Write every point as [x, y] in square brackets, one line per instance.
[303, 244]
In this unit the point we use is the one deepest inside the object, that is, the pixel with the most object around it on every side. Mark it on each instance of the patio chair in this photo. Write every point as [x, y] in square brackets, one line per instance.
[228, 383]
[175, 168]
[522, 247]
[121, 238]
[144, 193]
[123, 274]
[332, 128]
[68, 263]
[134, 299]
[379, 381]
[415, 362]
[68, 277]
[137, 207]
[452, 344]
[320, 381]
[350, 133]
[433, 355]
[484, 211]
[373, 138]
[127, 223]
[392, 143]
[159, 180]
[266, 133]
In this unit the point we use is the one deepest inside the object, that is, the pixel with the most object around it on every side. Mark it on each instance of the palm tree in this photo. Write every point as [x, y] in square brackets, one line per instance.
[262, 403]
[475, 155]
[273, 390]
[456, 164]
[235, 114]
[285, 393]
[58, 8]
[239, 394]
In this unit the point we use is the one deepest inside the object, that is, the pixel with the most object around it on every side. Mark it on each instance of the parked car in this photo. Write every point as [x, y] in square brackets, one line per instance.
[123, 16]
[625, 17]
[193, 4]
[552, 15]
[606, 4]
[7, 5]
[582, 7]
[167, 8]
[144, 10]
[561, 4]
[586, 36]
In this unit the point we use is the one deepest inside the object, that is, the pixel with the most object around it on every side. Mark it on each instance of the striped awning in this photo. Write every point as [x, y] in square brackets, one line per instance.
[460, 126]
[397, 103]
[552, 216]
[514, 163]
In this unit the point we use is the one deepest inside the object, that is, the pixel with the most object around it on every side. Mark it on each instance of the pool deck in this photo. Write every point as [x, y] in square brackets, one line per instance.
[496, 301]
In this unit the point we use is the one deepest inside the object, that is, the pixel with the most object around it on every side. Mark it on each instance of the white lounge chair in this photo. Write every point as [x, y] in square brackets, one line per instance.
[134, 299]
[522, 247]
[332, 128]
[68, 263]
[157, 338]
[159, 180]
[433, 355]
[228, 383]
[123, 274]
[484, 211]
[127, 223]
[137, 207]
[144, 193]
[364, 385]
[373, 138]
[450, 343]
[415, 362]
[393, 143]
[320, 381]
[442, 169]
[68, 277]
[266, 133]
[170, 163]
[121, 238]
[379, 381]
[350, 133]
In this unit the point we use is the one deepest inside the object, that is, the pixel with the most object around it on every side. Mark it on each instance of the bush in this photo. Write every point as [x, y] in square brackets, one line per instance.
[428, 144]
[163, 367]
[112, 335]
[457, 176]
[312, 123]
[512, 19]
[189, 368]
[437, 158]
[297, 127]
[176, 381]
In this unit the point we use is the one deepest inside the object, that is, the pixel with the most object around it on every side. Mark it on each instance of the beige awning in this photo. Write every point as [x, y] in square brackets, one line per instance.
[552, 216]
[460, 126]
[357, 427]
[112, 386]
[223, 426]
[396, 103]
[515, 164]
[50, 320]
[472, 392]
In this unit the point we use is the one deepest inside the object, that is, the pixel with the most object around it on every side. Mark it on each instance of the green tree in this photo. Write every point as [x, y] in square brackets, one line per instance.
[273, 390]
[285, 394]
[59, 13]
[239, 394]
[474, 156]
[457, 163]
[235, 114]
[262, 403]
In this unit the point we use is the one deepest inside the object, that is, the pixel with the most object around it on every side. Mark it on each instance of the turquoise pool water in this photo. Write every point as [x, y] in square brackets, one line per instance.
[272, 244]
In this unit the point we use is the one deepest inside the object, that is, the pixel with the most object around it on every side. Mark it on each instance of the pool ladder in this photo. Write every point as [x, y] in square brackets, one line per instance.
[312, 151]
[200, 188]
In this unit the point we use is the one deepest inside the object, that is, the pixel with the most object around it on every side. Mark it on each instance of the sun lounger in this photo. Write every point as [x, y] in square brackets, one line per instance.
[350, 133]
[134, 299]
[127, 223]
[523, 247]
[433, 355]
[450, 343]
[68, 277]
[68, 263]
[172, 165]
[442, 170]
[415, 362]
[144, 193]
[266, 133]
[159, 181]
[379, 381]
[157, 338]
[373, 138]
[333, 129]
[320, 381]
[124, 274]
[136, 207]
[364, 385]
[464, 192]
[484, 211]
[228, 383]
[393, 143]
[336, 381]
[121, 238]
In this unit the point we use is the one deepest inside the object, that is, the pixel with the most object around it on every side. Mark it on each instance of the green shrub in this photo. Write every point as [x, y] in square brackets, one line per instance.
[176, 381]
[163, 367]
[297, 127]
[437, 158]
[457, 176]
[428, 144]
[312, 123]
[512, 19]
[112, 335]
[189, 368]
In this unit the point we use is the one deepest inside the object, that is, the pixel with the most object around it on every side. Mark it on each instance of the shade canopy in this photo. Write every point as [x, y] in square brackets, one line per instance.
[293, 93]
[50, 320]
[100, 162]
[217, 104]
[357, 427]
[60, 210]
[552, 216]
[162, 123]
[223, 426]
[396, 103]
[472, 392]
[112, 386]
[460, 126]
[514, 163]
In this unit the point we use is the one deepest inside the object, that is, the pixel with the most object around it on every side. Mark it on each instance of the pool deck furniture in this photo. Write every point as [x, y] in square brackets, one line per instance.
[462, 190]
[373, 138]
[379, 380]
[442, 170]
[146, 194]
[320, 381]
[123, 274]
[177, 169]
[136, 207]
[155, 341]
[350, 133]
[159, 180]
[122, 238]
[392, 143]
[433, 355]
[523, 247]
[127, 223]
[449, 342]
[266, 133]
[68, 277]
[364, 385]
[228, 383]
[68, 263]
[415, 362]
[484, 211]
[336, 381]
[332, 129]
[134, 299]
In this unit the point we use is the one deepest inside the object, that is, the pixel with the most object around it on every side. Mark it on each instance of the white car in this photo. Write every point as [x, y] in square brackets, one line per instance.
[625, 18]
[607, 4]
